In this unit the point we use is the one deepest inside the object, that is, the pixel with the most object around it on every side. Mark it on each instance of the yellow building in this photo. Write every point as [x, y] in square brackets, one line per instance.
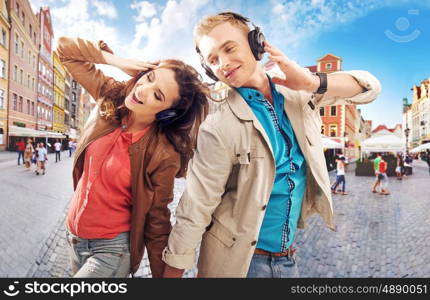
[4, 65]
[59, 86]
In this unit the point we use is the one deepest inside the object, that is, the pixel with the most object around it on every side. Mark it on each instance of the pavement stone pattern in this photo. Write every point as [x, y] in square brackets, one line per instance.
[377, 236]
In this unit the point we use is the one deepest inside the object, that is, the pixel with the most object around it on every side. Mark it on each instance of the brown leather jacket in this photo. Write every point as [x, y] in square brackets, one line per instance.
[153, 159]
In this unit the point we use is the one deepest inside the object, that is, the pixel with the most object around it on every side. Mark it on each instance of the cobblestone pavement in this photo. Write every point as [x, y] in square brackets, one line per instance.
[377, 236]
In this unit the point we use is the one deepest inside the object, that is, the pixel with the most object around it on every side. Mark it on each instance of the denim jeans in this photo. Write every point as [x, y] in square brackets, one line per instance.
[20, 155]
[264, 266]
[99, 257]
[339, 179]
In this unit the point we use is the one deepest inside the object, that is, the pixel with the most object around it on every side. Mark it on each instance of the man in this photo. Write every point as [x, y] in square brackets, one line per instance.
[20, 148]
[377, 181]
[258, 170]
[57, 147]
[70, 148]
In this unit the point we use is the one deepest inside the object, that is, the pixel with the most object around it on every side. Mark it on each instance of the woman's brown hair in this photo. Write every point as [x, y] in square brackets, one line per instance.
[192, 106]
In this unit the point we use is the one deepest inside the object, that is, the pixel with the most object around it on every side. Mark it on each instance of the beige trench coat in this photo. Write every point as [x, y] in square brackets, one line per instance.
[231, 175]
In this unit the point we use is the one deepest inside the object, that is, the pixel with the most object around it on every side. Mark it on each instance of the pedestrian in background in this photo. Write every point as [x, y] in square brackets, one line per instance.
[383, 176]
[399, 167]
[57, 147]
[377, 181]
[42, 157]
[428, 158]
[70, 148]
[28, 154]
[340, 175]
[20, 149]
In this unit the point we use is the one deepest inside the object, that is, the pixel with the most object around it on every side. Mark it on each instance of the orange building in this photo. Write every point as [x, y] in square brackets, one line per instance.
[340, 122]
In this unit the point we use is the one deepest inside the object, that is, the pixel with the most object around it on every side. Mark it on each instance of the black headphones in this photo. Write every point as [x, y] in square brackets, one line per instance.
[167, 116]
[255, 39]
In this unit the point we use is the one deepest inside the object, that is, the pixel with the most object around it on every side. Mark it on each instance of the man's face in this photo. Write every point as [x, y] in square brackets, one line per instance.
[226, 51]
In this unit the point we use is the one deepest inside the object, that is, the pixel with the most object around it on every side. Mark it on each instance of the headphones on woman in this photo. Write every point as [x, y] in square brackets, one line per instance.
[167, 116]
[255, 39]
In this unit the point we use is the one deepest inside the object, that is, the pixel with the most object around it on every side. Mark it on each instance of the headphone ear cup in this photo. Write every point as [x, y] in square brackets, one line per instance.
[256, 43]
[166, 117]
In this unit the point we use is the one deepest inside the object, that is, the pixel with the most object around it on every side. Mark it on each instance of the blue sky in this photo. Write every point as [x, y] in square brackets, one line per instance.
[389, 38]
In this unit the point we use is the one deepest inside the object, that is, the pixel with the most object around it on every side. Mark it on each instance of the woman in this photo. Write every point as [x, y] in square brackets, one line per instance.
[140, 137]
[42, 157]
[28, 154]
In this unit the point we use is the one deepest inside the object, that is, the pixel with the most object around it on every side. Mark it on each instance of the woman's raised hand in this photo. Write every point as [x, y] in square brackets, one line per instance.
[130, 66]
[133, 67]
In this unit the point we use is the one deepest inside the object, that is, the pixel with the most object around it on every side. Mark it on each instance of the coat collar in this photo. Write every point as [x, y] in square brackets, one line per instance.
[242, 111]
[292, 108]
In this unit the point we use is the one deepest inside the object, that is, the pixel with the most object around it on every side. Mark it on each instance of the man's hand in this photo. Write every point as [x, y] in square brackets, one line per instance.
[296, 77]
[171, 272]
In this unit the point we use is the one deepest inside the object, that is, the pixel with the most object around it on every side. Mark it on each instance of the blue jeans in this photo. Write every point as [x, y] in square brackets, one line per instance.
[20, 155]
[99, 257]
[339, 179]
[264, 266]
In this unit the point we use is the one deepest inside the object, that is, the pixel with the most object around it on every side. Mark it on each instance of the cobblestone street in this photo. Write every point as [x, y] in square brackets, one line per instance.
[377, 236]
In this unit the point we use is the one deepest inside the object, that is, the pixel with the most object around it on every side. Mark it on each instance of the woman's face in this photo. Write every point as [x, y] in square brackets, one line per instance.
[153, 92]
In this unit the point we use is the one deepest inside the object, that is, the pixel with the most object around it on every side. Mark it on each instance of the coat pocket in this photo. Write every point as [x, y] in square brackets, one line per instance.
[221, 233]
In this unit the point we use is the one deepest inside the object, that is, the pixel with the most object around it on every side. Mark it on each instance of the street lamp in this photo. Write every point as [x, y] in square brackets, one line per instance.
[407, 135]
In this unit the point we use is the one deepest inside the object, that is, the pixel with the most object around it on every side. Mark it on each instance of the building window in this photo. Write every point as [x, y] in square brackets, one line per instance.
[34, 38]
[322, 129]
[21, 77]
[74, 84]
[328, 66]
[2, 68]
[17, 9]
[16, 44]
[1, 99]
[15, 73]
[23, 18]
[29, 57]
[3, 40]
[73, 96]
[333, 110]
[15, 101]
[33, 87]
[28, 107]
[333, 130]
[32, 108]
[321, 111]
[31, 30]
[22, 49]
[28, 80]
[20, 104]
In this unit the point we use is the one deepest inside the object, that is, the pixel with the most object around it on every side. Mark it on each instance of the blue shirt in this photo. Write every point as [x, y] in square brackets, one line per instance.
[283, 210]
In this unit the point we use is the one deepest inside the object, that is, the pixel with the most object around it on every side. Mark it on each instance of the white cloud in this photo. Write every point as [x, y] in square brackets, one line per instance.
[297, 21]
[169, 34]
[145, 10]
[105, 9]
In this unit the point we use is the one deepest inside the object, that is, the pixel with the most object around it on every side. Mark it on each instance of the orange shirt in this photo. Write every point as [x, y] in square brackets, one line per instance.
[101, 204]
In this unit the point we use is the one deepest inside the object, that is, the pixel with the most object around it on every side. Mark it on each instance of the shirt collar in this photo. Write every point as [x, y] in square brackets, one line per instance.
[251, 94]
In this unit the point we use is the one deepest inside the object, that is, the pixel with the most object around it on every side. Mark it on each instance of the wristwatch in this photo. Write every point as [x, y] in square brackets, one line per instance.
[323, 82]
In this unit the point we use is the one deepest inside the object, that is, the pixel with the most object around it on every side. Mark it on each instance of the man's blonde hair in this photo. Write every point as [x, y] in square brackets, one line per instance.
[210, 22]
